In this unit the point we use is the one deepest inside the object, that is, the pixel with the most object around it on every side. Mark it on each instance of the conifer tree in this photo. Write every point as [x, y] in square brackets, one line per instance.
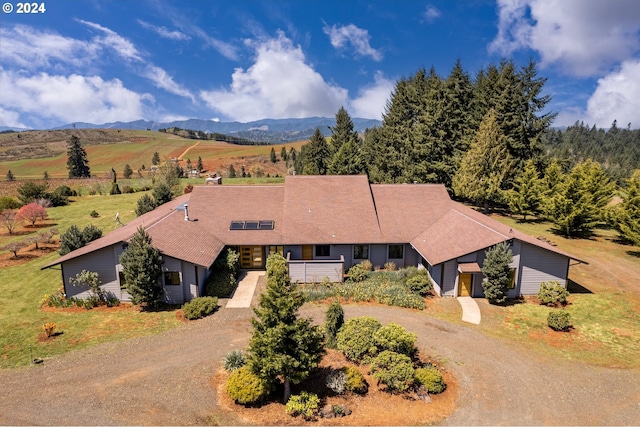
[145, 204]
[272, 155]
[347, 147]
[155, 160]
[141, 267]
[625, 216]
[526, 196]
[10, 176]
[200, 166]
[484, 168]
[283, 346]
[315, 155]
[283, 154]
[77, 161]
[232, 171]
[127, 172]
[497, 272]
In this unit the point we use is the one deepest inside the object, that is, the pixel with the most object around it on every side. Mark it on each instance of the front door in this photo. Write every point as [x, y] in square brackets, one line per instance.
[251, 257]
[464, 284]
[307, 252]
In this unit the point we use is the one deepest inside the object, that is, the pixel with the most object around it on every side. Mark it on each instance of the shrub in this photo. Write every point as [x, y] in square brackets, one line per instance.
[305, 404]
[390, 266]
[56, 299]
[334, 321]
[357, 273]
[337, 381]
[126, 189]
[234, 360]
[552, 293]
[222, 280]
[355, 382]
[366, 265]
[395, 338]
[94, 214]
[355, 338]
[394, 370]
[49, 328]
[431, 379]
[8, 202]
[201, 307]
[559, 320]
[245, 387]
[420, 283]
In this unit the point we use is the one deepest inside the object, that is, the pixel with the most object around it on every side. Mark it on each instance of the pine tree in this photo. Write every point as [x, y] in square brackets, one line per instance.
[497, 272]
[526, 196]
[141, 267]
[127, 172]
[232, 172]
[155, 160]
[73, 238]
[189, 166]
[316, 155]
[343, 130]
[10, 176]
[484, 168]
[283, 154]
[45, 176]
[272, 155]
[333, 322]
[162, 193]
[347, 147]
[625, 216]
[145, 204]
[200, 166]
[283, 346]
[77, 161]
[578, 202]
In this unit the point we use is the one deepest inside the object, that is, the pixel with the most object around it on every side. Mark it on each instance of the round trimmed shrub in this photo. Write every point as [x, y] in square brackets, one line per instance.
[357, 273]
[431, 379]
[355, 338]
[559, 320]
[552, 293]
[234, 360]
[395, 338]
[355, 382]
[420, 283]
[245, 387]
[394, 370]
[305, 404]
[201, 307]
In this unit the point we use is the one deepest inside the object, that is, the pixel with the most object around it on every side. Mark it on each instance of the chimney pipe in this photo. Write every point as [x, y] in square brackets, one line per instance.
[186, 212]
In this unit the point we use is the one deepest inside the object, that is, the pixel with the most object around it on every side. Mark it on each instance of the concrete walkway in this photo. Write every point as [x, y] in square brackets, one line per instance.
[243, 294]
[470, 310]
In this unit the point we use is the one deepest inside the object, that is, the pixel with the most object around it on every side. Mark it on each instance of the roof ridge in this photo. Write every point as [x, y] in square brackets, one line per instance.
[479, 223]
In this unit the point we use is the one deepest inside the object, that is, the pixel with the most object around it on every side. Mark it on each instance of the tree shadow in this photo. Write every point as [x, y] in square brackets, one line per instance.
[576, 288]
[634, 253]
[531, 220]
[510, 302]
[583, 235]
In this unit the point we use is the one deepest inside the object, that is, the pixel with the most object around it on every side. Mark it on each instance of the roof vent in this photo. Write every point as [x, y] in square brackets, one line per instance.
[186, 212]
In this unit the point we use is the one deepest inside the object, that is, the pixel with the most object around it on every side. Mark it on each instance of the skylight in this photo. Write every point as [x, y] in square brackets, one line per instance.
[252, 225]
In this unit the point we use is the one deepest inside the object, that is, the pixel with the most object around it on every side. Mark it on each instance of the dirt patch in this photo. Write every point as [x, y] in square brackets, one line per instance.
[27, 254]
[375, 408]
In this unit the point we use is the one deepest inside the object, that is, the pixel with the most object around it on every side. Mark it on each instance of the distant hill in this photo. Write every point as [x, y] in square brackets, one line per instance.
[271, 131]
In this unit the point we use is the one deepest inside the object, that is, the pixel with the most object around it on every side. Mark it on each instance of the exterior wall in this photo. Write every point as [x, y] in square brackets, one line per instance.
[539, 265]
[315, 271]
[378, 255]
[295, 251]
[411, 256]
[435, 273]
[173, 294]
[450, 278]
[102, 262]
[189, 284]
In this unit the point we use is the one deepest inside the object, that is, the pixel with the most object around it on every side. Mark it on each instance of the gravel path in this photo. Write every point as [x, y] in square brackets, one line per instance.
[165, 379]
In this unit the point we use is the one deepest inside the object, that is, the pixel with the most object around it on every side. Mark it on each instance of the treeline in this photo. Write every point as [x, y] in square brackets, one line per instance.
[617, 150]
[198, 134]
[487, 140]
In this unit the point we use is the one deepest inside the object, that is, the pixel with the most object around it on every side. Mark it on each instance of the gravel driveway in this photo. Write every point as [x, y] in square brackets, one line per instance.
[165, 379]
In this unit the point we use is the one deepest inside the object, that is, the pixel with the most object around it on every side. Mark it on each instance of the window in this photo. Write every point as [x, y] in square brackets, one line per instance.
[396, 252]
[236, 225]
[512, 279]
[266, 225]
[171, 278]
[323, 250]
[252, 225]
[360, 251]
[276, 250]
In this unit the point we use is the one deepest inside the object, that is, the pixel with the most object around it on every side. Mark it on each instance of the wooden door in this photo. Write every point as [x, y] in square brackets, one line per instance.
[251, 257]
[464, 284]
[307, 252]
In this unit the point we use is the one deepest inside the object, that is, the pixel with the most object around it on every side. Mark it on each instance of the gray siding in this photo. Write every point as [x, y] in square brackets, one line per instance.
[435, 272]
[316, 271]
[189, 285]
[411, 256]
[450, 278]
[538, 265]
[378, 255]
[296, 251]
[102, 262]
[173, 294]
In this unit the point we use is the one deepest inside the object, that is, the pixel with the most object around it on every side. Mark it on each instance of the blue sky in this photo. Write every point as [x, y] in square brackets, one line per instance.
[103, 61]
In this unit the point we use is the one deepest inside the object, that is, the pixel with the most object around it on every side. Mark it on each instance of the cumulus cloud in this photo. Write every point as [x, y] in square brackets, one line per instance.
[10, 119]
[372, 100]
[164, 32]
[431, 13]
[164, 81]
[279, 84]
[585, 38]
[114, 41]
[341, 36]
[617, 97]
[68, 98]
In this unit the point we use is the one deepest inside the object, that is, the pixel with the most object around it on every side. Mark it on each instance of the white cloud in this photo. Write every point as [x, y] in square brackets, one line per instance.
[358, 38]
[164, 81]
[617, 97]
[69, 98]
[584, 37]
[113, 40]
[279, 84]
[10, 119]
[164, 32]
[30, 48]
[431, 13]
[372, 100]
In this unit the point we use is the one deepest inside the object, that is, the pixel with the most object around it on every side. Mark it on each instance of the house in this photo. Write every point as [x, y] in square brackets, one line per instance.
[322, 225]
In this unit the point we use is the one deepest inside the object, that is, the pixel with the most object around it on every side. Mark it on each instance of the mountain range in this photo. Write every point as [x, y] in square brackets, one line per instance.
[271, 131]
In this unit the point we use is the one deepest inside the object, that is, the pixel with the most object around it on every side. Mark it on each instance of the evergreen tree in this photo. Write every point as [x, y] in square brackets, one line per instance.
[141, 267]
[625, 216]
[73, 238]
[243, 173]
[283, 346]
[189, 166]
[272, 155]
[155, 160]
[127, 172]
[347, 147]
[232, 172]
[497, 272]
[200, 166]
[293, 155]
[30, 191]
[577, 203]
[343, 131]
[10, 176]
[145, 204]
[315, 155]
[283, 154]
[45, 176]
[526, 196]
[115, 189]
[162, 193]
[333, 322]
[485, 166]
[77, 161]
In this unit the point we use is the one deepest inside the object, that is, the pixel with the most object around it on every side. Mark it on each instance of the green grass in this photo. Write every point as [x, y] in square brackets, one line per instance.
[23, 287]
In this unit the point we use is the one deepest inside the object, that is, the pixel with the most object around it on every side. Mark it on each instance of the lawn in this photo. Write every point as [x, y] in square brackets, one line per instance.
[24, 285]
